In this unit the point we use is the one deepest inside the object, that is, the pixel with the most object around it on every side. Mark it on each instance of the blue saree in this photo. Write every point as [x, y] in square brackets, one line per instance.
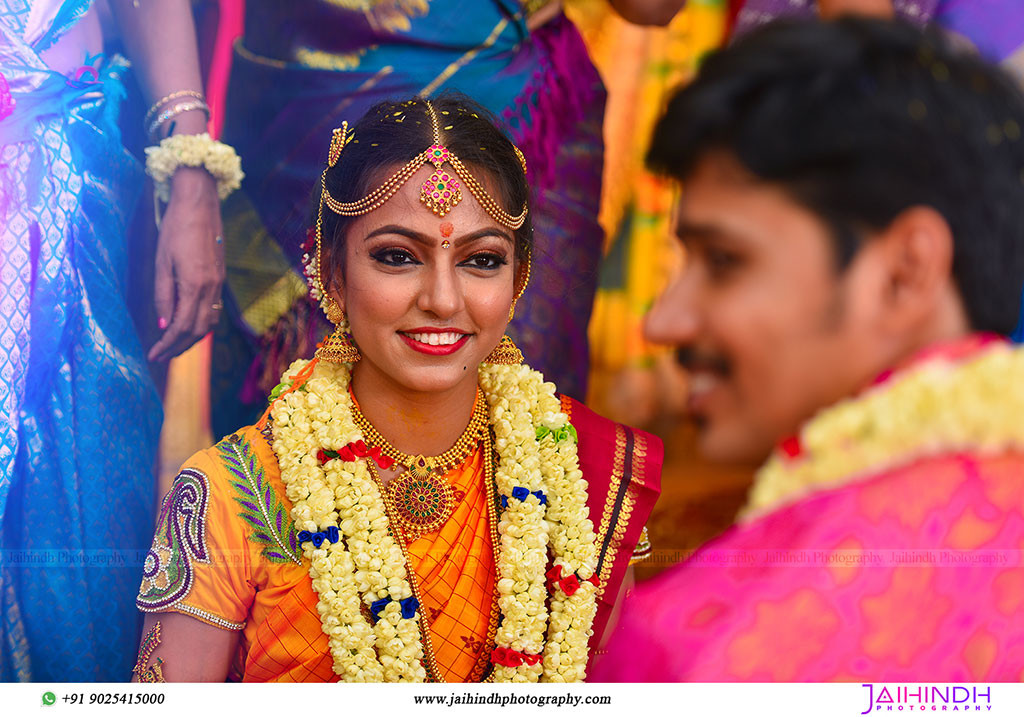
[79, 415]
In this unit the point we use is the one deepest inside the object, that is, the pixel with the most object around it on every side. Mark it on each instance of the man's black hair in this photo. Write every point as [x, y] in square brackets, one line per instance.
[860, 119]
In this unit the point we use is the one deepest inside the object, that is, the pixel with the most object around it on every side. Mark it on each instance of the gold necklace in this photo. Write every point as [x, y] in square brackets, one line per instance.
[397, 532]
[422, 497]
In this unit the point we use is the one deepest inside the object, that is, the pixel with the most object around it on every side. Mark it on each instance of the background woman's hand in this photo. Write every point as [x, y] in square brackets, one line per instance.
[831, 9]
[189, 263]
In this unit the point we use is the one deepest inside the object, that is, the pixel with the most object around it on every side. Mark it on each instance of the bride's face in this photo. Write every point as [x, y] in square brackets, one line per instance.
[427, 297]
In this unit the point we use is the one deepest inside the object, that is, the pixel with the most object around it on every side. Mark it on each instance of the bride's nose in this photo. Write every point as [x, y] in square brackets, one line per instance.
[441, 291]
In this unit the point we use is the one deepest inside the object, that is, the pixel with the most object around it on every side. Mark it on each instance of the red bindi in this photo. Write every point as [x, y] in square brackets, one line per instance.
[446, 229]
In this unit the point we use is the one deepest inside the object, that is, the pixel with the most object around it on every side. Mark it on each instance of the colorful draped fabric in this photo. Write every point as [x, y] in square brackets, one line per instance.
[212, 559]
[79, 416]
[640, 66]
[994, 27]
[908, 573]
[759, 12]
[289, 89]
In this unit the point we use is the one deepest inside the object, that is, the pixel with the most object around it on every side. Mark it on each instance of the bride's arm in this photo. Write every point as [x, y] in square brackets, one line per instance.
[179, 648]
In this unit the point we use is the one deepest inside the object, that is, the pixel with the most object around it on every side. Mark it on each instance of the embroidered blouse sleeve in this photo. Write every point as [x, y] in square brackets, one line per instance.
[199, 562]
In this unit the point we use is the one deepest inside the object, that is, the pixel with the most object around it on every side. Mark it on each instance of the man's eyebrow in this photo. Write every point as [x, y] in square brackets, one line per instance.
[688, 232]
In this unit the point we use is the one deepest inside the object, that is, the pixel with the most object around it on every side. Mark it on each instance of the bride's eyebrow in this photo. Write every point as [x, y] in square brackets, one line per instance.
[430, 241]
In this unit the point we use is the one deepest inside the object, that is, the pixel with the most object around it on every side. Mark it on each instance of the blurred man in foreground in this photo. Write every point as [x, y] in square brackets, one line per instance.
[853, 217]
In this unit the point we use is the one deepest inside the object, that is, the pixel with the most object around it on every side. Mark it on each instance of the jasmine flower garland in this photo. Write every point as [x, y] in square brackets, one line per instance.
[575, 548]
[193, 150]
[367, 565]
[932, 408]
[523, 530]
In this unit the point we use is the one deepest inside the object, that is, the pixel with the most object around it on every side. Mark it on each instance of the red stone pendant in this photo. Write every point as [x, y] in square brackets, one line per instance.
[423, 502]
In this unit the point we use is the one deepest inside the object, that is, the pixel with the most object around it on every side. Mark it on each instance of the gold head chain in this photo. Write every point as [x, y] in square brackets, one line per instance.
[440, 193]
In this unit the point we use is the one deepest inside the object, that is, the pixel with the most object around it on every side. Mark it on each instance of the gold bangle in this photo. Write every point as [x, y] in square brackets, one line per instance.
[155, 107]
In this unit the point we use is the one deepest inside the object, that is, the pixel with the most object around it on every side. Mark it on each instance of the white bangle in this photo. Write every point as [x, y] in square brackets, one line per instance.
[193, 150]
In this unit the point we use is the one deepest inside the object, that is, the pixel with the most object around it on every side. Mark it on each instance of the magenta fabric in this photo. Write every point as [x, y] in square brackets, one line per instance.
[994, 27]
[758, 12]
[913, 574]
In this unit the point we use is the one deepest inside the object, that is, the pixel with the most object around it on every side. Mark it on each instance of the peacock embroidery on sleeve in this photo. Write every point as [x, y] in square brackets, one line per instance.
[270, 524]
[180, 539]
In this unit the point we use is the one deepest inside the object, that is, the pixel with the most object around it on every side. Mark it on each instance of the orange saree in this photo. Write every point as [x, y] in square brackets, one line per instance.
[225, 552]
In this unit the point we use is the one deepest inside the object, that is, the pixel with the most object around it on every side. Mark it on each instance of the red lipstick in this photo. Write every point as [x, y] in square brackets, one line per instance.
[433, 349]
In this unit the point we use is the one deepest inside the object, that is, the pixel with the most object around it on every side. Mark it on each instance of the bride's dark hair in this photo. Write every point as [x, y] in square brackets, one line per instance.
[392, 133]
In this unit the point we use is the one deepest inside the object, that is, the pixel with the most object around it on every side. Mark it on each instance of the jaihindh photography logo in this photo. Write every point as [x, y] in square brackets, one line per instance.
[926, 698]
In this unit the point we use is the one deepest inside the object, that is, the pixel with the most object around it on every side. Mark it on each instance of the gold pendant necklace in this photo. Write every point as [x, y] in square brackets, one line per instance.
[398, 533]
[423, 499]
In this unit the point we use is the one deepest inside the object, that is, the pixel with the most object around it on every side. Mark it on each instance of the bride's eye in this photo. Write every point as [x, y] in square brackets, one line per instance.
[394, 257]
[485, 260]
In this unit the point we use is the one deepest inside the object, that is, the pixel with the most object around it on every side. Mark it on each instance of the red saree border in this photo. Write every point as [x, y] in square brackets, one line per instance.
[622, 466]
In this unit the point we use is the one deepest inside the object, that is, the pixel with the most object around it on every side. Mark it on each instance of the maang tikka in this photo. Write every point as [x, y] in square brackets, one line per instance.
[441, 192]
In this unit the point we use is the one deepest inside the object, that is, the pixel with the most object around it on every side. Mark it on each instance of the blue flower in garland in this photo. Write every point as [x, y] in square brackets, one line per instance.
[409, 607]
[521, 494]
[331, 535]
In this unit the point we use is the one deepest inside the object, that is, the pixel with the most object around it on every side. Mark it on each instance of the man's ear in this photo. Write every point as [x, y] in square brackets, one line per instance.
[917, 254]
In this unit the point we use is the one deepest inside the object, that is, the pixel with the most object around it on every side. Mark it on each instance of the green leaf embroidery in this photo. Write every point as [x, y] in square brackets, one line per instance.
[266, 515]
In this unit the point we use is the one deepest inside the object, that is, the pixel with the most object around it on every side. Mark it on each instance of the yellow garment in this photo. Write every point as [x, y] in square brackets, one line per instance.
[227, 552]
[253, 579]
[640, 67]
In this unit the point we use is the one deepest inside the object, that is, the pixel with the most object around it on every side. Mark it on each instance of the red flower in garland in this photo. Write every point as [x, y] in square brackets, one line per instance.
[346, 453]
[353, 452]
[508, 657]
[310, 244]
[791, 447]
[499, 655]
[553, 575]
[570, 585]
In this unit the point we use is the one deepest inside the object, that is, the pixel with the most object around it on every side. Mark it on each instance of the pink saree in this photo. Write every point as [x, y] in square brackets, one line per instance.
[907, 574]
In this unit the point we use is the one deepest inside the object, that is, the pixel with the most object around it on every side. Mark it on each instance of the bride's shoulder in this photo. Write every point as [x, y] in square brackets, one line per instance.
[238, 467]
[237, 489]
[249, 445]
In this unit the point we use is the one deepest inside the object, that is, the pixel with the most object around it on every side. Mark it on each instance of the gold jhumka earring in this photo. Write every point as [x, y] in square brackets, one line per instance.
[339, 346]
[440, 193]
[506, 352]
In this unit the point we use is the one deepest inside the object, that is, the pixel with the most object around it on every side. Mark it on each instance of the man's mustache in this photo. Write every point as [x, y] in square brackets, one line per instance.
[693, 359]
